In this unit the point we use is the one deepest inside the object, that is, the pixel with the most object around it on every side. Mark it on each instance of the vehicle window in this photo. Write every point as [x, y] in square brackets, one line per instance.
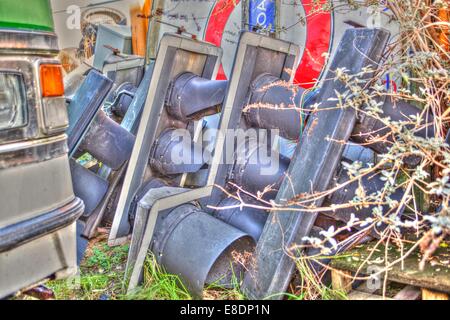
[13, 105]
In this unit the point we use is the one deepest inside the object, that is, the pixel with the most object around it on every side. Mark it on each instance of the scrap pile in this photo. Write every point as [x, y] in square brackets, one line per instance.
[208, 218]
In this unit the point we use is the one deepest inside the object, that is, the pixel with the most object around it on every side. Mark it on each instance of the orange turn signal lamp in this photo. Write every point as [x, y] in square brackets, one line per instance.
[52, 84]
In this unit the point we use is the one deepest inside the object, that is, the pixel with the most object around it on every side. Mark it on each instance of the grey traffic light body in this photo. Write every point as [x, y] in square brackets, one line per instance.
[84, 106]
[88, 186]
[199, 248]
[252, 217]
[164, 203]
[122, 98]
[371, 185]
[107, 141]
[157, 200]
[185, 240]
[261, 168]
[93, 131]
[169, 142]
[280, 108]
[313, 166]
[250, 220]
[257, 55]
[264, 83]
[276, 104]
[124, 68]
[193, 97]
[368, 128]
[131, 114]
[110, 144]
[83, 109]
[177, 55]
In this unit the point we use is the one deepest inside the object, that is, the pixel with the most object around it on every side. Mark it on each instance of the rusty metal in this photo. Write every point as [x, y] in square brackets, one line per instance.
[41, 293]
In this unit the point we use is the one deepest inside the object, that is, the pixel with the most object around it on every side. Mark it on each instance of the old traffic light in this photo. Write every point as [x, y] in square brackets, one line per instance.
[183, 64]
[172, 109]
[91, 130]
[84, 106]
[313, 165]
[168, 203]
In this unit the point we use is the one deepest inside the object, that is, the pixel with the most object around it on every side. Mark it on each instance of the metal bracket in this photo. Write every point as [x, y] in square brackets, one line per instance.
[158, 199]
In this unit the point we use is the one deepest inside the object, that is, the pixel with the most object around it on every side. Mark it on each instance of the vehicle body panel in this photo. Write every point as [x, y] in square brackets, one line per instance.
[34, 15]
[38, 208]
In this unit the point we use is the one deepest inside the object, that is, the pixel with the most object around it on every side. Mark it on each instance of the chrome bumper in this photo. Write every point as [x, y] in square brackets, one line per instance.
[20, 233]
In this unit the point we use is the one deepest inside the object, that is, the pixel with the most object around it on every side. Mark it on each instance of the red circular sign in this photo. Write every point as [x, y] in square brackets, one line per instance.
[318, 38]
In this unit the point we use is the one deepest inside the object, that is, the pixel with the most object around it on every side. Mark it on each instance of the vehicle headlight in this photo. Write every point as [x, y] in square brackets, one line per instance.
[13, 105]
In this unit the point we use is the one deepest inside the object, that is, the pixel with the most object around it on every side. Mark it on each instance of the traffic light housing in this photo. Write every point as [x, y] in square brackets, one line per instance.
[257, 55]
[177, 55]
[147, 224]
[313, 166]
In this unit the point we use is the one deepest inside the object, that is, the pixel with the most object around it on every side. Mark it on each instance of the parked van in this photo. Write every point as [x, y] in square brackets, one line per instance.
[38, 209]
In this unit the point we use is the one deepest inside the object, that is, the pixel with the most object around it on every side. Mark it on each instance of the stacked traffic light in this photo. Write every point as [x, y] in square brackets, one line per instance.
[166, 146]
[93, 131]
[259, 96]
[158, 198]
[191, 231]
[316, 162]
[166, 219]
